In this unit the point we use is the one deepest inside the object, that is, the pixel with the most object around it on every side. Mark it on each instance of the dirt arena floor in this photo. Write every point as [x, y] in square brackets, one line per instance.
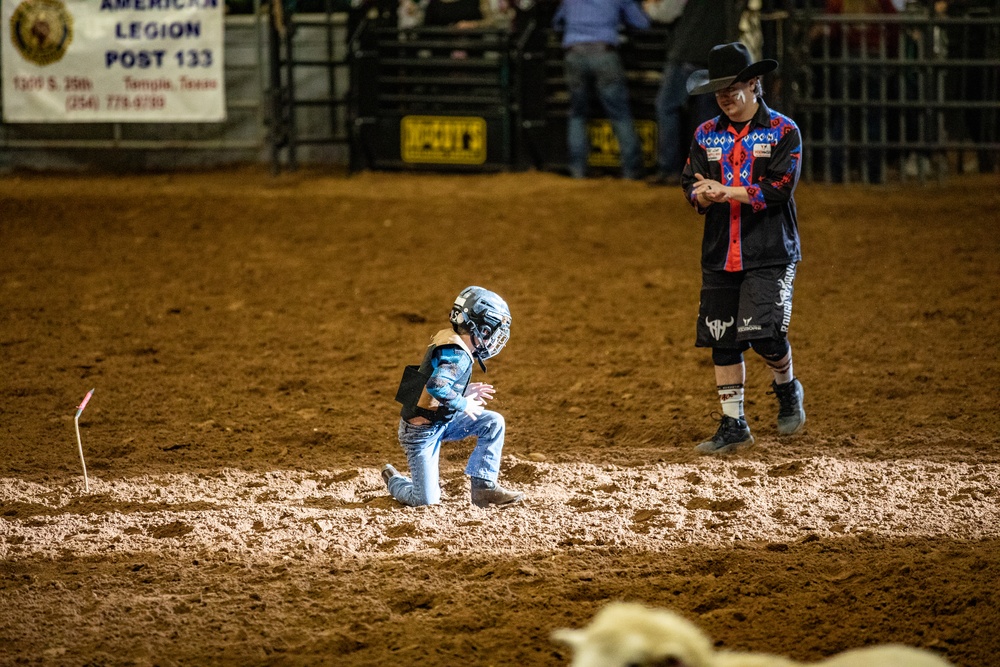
[245, 335]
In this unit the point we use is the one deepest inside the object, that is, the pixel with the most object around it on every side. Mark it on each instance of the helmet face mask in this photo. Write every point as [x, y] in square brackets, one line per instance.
[486, 317]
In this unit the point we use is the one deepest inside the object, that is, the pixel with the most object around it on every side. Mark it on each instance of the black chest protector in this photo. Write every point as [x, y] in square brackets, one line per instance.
[413, 385]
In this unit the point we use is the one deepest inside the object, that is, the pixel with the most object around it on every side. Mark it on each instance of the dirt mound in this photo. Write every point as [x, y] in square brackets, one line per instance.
[245, 335]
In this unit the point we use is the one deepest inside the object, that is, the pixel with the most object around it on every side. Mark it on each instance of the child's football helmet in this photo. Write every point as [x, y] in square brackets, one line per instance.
[486, 317]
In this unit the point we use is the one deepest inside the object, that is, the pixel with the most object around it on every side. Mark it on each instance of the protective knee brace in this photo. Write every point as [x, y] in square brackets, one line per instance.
[724, 356]
[771, 349]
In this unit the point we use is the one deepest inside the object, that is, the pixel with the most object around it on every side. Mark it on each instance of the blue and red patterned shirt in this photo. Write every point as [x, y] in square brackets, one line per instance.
[765, 158]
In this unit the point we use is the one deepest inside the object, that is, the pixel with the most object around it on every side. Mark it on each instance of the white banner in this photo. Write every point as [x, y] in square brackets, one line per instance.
[71, 61]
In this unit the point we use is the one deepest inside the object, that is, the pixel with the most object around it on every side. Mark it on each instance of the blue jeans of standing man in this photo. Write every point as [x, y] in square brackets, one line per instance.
[673, 144]
[422, 444]
[601, 70]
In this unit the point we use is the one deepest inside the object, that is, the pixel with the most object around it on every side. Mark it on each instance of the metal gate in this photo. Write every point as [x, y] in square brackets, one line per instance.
[434, 98]
[892, 97]
[643, 55]
[310, 74]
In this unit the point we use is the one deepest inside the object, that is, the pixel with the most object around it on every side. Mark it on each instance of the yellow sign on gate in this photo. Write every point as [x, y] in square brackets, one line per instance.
[443, 139]
[604, 150]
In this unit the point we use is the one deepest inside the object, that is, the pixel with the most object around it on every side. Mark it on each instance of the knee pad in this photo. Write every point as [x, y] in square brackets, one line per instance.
[771, 349]
[723, 356]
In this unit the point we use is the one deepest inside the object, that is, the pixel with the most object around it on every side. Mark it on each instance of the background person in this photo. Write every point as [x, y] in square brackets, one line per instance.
[590, 39]
[742, 170]
[701, 25]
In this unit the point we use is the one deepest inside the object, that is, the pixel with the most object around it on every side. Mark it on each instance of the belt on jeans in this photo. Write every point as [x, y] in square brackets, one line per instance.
[591, 47]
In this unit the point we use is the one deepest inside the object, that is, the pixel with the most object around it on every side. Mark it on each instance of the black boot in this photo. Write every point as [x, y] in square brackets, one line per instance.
[733, 434]
[791, 415]
[388, 472]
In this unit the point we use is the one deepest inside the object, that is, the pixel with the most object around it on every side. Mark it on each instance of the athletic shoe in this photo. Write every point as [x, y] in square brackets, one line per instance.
[484, 497]
[733, 434]
[791, 415]
[388, 472]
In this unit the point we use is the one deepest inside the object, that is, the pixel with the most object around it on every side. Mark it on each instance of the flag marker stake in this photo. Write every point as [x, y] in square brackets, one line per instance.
[79, 443]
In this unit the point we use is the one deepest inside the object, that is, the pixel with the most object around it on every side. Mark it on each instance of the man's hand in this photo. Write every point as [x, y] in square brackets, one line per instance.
[710, 191]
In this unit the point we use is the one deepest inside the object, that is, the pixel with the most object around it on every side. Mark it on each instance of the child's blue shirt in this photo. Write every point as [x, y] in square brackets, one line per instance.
[452, 367]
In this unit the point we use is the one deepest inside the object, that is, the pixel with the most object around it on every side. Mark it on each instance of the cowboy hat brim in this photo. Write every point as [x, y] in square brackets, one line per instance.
[699, 83]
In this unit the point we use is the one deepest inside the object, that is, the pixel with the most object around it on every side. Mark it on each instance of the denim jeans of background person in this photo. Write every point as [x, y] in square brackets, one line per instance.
[701, 25]
[590, 39]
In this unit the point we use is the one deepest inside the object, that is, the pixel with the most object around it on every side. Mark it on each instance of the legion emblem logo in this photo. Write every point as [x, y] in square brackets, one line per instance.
[41, 30]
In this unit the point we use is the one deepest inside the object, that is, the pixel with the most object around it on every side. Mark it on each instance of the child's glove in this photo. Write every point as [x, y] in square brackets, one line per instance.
[480, 390]
[476, 395]
[473, 407]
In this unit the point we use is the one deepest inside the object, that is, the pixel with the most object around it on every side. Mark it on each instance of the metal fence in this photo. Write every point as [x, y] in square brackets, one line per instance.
[482, 99]
[310, 83]
[878, 98]
[883, 98]
[643, 55]
[434, 97]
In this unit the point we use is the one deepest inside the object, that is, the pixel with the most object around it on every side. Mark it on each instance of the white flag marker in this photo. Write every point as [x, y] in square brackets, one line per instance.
[79, 443]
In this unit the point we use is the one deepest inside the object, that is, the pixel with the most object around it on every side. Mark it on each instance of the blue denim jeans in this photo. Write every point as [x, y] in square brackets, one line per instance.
[422, 444]
[603, 71]
[673, 144]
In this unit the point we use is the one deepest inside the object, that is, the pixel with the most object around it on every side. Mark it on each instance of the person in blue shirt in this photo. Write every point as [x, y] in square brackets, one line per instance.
[440, 404]
[590, 40]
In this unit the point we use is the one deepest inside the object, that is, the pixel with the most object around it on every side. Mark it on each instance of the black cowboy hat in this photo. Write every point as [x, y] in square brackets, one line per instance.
[727, 63]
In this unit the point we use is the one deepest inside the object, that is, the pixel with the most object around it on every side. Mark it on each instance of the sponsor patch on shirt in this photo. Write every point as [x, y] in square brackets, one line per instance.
[762, 150]
[715, 153]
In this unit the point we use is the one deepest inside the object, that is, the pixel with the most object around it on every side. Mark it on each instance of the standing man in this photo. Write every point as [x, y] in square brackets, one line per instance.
[741, 173]
[590, 39]
[701, 25]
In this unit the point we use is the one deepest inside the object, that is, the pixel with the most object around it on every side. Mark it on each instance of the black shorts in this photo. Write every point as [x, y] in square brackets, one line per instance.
[742, 306]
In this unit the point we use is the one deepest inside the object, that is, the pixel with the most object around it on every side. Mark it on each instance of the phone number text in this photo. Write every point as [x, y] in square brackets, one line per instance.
[116, 102]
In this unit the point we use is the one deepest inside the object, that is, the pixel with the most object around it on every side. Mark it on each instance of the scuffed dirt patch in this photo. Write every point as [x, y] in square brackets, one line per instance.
[654, 508]
[245, 335]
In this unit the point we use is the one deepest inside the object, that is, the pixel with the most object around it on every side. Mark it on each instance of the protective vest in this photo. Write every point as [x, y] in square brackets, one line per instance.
[412, 392]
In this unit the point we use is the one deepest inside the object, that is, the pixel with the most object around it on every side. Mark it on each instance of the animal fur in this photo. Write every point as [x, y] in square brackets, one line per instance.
[626, 634]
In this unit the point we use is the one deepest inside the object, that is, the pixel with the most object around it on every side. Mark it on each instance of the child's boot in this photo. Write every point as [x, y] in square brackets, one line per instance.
[486, 493]
[388, 472]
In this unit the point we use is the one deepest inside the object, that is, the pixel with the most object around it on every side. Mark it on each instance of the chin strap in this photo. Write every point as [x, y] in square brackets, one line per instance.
[477, 340]
[475, 352]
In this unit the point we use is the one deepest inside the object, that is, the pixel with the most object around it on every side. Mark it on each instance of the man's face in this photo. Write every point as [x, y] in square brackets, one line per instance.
[736, 99]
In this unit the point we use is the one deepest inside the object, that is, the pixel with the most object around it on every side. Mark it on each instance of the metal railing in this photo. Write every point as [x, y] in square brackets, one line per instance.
[881, 97]
[878, 98]
[310, 85]
[643, 55]
[434, 96]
